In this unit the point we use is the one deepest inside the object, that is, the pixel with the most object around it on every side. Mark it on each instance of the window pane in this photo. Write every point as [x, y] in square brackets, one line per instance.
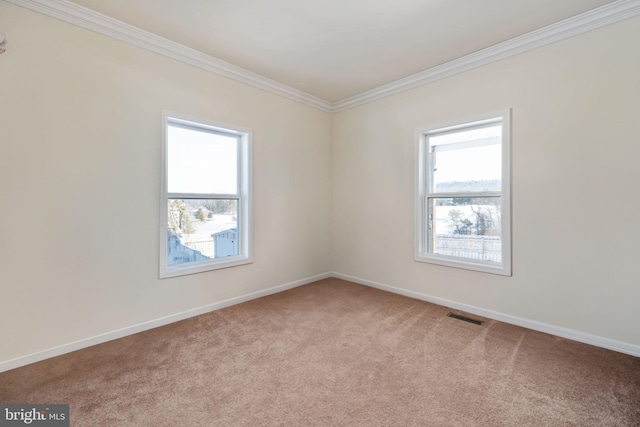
[201, 229]
[469, 160]
[465, 227]
[201, 162]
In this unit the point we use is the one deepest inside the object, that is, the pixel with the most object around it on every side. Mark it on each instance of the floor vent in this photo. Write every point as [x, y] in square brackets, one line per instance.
[465, 318]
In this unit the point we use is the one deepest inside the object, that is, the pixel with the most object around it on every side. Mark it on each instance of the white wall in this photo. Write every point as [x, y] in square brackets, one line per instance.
[575, 176]
[80, 144]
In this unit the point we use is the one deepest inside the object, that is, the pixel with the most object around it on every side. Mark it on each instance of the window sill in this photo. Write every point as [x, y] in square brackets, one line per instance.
[483, 267]
[203, 266]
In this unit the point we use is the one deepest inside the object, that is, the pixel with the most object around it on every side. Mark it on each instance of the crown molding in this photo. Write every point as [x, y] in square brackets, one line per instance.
[585, 22]
[86, 18]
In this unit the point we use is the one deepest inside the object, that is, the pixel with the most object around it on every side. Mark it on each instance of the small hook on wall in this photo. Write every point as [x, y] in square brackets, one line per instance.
[3, 43]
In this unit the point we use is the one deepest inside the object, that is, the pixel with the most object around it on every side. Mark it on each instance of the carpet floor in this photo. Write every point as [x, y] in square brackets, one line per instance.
[334, 353]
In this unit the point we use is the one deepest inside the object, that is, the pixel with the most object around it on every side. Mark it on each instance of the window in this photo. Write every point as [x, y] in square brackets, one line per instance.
[205, 219]
[463, 195]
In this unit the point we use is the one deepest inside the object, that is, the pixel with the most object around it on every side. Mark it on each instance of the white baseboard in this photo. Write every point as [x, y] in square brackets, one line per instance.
[607, 343]
[130, 330]
[571, 334]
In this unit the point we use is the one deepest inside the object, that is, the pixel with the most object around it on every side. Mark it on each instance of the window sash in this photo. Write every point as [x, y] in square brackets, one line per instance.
[457, 151]
[431, 235]
[200, 127]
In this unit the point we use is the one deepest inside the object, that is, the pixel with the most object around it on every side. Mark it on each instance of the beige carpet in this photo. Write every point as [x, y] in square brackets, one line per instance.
[337, 354]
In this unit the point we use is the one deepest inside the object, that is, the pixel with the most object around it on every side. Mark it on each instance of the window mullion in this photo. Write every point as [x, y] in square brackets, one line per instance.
[202, 196]
[474, 194]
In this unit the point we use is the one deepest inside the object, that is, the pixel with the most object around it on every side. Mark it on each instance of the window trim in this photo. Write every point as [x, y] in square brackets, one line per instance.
[422, 181]
[244, 197]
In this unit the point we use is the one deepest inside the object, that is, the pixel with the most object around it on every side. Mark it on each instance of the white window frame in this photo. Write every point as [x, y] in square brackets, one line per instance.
[422, 193]
[244, 197]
